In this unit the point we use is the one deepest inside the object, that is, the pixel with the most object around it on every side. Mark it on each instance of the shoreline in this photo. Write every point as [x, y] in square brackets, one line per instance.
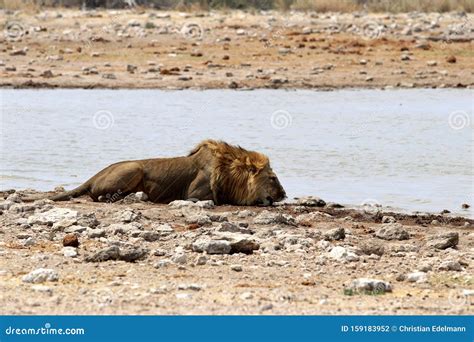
[319, 89]
[136, 257]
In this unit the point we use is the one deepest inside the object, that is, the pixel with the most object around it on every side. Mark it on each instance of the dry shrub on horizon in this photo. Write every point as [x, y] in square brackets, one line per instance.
[344, 6]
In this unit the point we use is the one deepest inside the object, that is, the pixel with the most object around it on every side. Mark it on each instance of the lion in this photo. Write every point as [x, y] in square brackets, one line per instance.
[213, 170]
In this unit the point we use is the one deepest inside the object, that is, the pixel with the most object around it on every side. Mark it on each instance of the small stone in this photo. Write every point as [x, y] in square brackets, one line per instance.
[418, 277]
[131, 68]
[199, 219]
[30, 241]
[192, 287]
[268, 217]
[342, 254]
[41, 275]
[42, 289]
[443, 241]
[141, 196]
[405, 57]
[392, 231]
[451, 59]
[432, 63]
[129, 254]
[149, 236]
[212, 246]
[371, 285]
[388, 219]
[201, 260]
[132, 254]
[159, 252]
[70, 252]
[236, 268]
[450, 265]
[71, 240]
[311, 201]
[363, 62]
[75, 229]
[163, 263]
[233, 85]
[233, 228]
[372, 246]
[95, 233]
[465, 206]
[335, 234]
[267, 307]
[47, 74]
[51, 216]
[109, 253]
[129, 216]
[179, 258]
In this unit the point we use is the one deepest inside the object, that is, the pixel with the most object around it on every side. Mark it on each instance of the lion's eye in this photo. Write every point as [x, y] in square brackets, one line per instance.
[273, 179]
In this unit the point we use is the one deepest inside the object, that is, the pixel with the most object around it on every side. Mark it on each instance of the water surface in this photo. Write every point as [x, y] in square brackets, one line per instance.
[396, 147]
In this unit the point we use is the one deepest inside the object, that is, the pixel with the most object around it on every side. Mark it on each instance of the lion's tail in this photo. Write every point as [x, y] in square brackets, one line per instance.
[67, 195]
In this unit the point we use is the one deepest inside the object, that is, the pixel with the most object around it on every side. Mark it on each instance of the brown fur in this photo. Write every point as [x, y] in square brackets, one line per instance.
[213, 170]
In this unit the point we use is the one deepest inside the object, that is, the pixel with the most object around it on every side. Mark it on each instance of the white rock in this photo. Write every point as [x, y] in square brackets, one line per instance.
[41, 275]
[129, 216]
[418, 277]
[52, 216]
[212, 246]
[367, 284]
[179, 258]
[70, 252]
[268, 217]
[342, 254]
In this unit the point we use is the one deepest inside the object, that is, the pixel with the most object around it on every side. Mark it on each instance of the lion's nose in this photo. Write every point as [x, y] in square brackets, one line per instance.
[269, 199]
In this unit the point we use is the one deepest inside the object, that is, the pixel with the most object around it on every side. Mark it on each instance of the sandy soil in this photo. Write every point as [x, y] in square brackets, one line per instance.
[172, 50]
[305, 259]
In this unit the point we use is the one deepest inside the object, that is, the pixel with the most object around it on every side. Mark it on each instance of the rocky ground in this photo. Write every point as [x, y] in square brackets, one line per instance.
[172, 50]
[307, 257]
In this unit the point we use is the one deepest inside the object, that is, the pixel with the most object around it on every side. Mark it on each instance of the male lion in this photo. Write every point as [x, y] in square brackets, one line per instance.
[213, 170]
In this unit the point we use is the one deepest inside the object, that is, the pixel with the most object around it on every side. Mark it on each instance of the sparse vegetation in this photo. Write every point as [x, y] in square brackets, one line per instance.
[394, 6]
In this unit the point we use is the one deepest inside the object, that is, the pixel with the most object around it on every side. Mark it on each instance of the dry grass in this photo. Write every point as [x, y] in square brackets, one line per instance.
[394, 6]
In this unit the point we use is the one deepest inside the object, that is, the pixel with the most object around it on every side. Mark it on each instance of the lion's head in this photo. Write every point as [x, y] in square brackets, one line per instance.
[242, 177]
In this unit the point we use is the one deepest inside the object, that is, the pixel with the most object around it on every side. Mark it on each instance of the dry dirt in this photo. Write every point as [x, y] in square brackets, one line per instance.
[172, 50]
[295, 269]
